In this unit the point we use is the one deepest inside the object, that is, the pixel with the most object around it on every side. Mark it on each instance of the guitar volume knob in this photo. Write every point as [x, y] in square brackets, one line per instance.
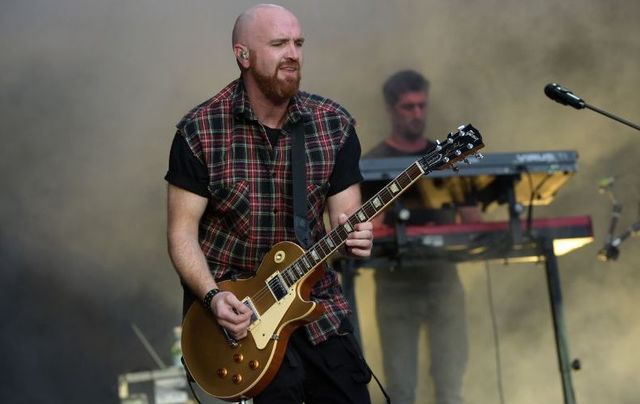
[222, 373]
[237, 379]
[238, 358]
[254, 364]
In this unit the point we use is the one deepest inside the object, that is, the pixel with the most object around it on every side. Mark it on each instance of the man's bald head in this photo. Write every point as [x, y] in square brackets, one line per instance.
[244, 22]
[267, 43]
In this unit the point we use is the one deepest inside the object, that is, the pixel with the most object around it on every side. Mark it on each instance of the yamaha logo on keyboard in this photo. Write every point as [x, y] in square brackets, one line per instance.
[550, 157]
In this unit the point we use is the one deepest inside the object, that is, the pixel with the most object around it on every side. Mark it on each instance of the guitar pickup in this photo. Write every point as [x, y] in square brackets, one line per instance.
[277, 286]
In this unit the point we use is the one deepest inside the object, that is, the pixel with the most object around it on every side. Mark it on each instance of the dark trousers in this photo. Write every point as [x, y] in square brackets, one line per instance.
[330, 372]
[407, 299]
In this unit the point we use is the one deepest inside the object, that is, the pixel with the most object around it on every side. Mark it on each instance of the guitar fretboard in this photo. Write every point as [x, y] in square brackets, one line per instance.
[321, 250]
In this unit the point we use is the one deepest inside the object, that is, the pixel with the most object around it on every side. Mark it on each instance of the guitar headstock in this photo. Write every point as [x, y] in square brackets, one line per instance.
[457, 146]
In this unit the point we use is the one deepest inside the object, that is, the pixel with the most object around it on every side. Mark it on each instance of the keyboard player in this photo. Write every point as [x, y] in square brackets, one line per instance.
[413, 291]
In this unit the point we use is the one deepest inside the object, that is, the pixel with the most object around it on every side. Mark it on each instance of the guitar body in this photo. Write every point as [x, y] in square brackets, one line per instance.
[231, 372]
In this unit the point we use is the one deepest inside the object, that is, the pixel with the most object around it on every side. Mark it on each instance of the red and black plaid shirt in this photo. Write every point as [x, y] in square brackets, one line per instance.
[250, 205]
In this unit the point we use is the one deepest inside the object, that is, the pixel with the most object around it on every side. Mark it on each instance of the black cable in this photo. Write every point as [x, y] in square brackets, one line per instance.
[496, 340]
[530, 207]
[193, 393]
[534, 192]
[190, 380]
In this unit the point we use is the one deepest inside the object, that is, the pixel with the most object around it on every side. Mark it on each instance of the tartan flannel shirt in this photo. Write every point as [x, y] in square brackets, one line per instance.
[250, 204]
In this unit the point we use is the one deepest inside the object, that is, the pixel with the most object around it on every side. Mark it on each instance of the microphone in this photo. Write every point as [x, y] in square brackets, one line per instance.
[563, 95]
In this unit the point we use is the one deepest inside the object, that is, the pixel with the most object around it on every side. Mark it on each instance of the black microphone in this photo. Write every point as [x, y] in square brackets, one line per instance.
[563, 95]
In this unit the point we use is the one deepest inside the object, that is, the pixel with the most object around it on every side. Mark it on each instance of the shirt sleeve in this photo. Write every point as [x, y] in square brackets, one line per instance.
[185, 170]
[346, 170]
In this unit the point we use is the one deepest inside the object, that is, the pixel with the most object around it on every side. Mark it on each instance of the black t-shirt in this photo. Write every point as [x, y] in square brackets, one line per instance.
[187, 172]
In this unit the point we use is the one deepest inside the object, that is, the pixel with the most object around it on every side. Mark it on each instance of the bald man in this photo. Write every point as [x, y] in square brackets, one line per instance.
[230, 199]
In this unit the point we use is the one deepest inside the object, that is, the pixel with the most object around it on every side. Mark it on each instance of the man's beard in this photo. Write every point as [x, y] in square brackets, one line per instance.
[276, 89]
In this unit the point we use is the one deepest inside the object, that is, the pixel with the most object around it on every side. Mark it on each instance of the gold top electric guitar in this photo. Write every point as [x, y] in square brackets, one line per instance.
[278, 294]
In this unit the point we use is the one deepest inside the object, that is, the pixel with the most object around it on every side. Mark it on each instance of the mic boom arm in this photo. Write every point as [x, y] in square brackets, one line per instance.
[564, 96]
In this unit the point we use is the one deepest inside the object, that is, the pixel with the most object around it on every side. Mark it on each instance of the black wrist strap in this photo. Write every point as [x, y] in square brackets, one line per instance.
[208, 297]
[299, 174]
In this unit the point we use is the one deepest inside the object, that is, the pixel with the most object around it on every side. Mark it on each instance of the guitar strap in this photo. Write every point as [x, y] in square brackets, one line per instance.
[299, 174]
[301, 224]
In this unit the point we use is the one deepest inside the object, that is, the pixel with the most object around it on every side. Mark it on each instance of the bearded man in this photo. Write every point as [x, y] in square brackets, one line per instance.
[230, 199]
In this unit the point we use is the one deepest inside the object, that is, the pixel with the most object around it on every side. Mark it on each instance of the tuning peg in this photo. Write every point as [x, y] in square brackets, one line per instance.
[450, 140]
[445, 159]
[479, 156]
[458, 152]
[460, 127]
[469, 146]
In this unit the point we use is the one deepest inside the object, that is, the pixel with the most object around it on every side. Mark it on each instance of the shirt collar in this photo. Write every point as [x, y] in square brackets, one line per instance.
[241, 106]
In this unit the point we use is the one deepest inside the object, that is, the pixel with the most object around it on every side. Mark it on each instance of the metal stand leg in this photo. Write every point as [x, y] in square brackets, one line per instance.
[555, 298]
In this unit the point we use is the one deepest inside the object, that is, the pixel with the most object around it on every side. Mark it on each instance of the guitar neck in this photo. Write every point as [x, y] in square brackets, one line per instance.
[333, 240]
[456, 147]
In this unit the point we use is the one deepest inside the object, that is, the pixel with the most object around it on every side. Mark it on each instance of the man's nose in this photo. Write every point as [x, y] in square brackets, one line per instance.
[417, 110]
[293, 52]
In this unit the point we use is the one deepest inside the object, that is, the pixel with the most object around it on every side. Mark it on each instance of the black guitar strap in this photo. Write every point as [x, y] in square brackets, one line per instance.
[299, 174]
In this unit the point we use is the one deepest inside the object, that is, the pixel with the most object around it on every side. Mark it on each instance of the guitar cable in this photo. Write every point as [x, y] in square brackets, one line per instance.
[494, 326]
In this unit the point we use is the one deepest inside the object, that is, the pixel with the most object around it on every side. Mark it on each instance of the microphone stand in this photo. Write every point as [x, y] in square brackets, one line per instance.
[612, 116]
[611, 250]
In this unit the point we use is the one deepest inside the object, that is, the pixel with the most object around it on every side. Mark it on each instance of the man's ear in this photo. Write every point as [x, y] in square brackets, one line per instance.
[242, 55]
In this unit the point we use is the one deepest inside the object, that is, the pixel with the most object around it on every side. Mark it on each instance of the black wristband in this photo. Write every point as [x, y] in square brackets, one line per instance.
[208, 297]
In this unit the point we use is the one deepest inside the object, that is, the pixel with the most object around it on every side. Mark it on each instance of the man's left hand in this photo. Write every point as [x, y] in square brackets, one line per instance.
[359, 241]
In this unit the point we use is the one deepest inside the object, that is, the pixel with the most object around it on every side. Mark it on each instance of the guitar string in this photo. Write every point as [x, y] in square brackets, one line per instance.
[263, 292]
[385, 194]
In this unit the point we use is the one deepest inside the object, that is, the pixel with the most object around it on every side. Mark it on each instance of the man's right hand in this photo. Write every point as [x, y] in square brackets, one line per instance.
[231, 314]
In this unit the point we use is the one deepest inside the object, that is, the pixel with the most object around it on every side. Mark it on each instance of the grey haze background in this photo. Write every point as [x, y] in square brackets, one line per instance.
[90, 91]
